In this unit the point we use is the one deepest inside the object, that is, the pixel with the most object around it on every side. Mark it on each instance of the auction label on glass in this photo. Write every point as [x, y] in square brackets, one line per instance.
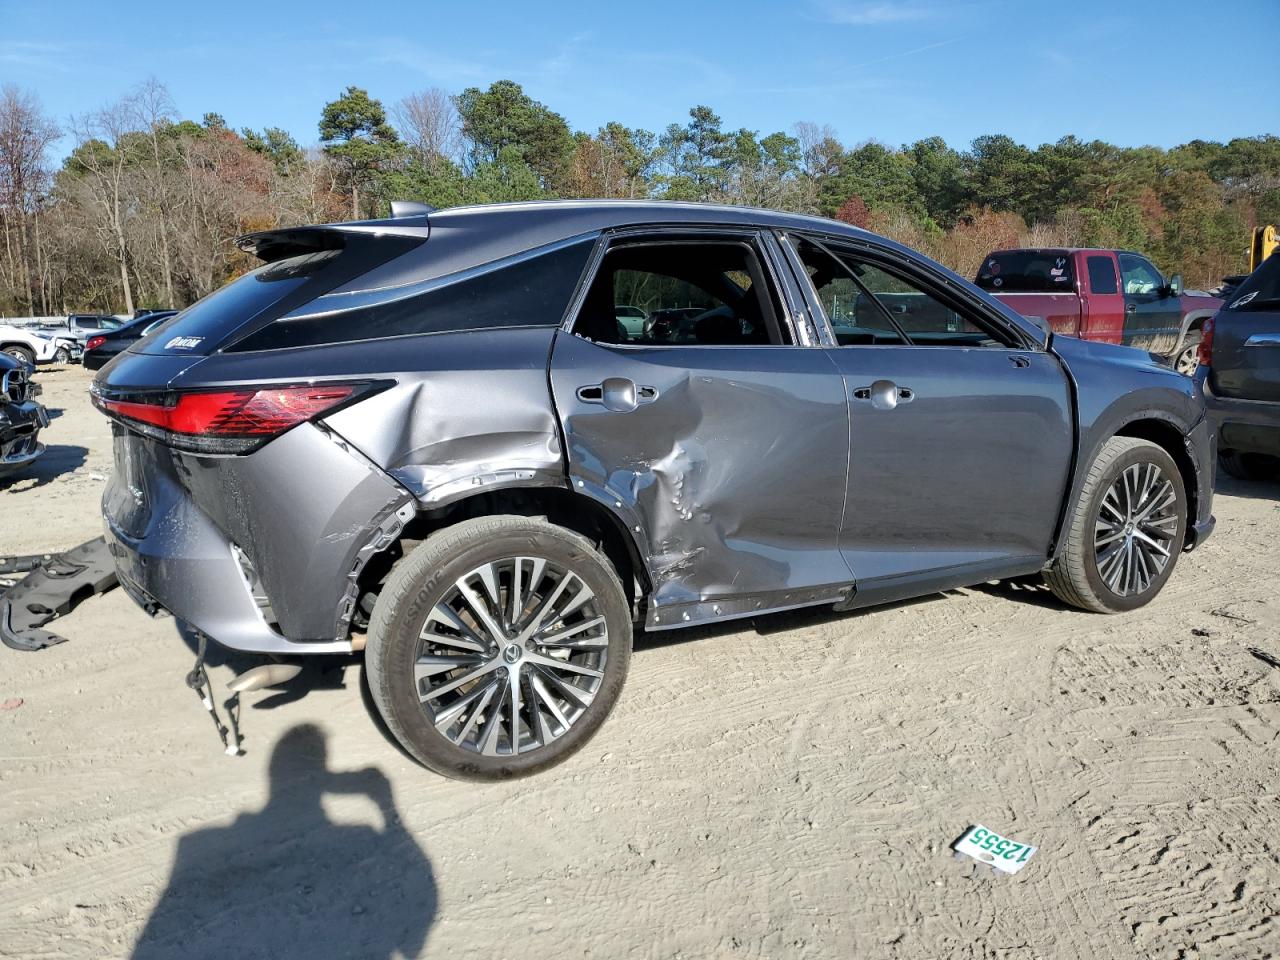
[988, 847]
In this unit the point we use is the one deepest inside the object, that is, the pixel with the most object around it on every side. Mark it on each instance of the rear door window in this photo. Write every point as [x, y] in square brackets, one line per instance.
[698, 293]
[1102, 275]
[1027, 271]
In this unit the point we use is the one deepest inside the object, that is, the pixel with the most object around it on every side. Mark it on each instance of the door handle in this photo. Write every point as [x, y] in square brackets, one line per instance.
[1263, 340]
[884, 394]
[1130, 308]
[619, 394]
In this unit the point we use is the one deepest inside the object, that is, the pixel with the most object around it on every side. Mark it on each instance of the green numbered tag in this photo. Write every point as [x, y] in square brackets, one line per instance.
[988, 847]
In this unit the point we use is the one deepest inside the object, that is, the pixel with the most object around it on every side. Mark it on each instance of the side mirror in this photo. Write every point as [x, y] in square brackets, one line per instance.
[1175, 285]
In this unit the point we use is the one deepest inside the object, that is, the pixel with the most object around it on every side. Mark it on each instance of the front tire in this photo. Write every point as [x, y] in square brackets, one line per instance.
[498, 647]
[1126, 531]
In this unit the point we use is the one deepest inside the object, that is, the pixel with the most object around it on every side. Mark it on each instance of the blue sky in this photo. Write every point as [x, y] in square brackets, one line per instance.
[1128, 71]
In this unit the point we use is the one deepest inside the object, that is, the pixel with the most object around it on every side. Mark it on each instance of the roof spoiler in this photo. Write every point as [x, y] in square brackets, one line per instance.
[272, 245]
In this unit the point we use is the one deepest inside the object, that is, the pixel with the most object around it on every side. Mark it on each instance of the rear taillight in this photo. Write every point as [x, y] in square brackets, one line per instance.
[95, 342]
[227, 421]
[1204, 352]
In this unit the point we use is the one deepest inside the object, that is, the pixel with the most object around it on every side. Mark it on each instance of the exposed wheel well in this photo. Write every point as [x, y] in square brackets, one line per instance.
[1169, 438]
[561, 507]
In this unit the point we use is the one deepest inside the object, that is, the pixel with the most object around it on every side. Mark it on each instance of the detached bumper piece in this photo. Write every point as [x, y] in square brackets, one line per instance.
[55, 587]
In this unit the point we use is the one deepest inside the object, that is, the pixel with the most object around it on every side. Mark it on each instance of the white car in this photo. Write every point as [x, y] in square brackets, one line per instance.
[29, 347]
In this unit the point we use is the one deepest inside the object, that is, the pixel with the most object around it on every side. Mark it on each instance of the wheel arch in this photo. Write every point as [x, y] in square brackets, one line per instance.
[1193, 321]
[1170, 438]
[566, 508]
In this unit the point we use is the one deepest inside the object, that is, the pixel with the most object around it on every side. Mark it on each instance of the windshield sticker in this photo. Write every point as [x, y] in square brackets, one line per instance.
[993, 266]
[997, 282]
[184, 343]
[1056, 272]
[1245, 299]
[1060, 263]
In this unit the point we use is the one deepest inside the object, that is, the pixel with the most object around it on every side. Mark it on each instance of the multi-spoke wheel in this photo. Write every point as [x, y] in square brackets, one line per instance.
[1126, 531]
[498, 646]
[1133, 535]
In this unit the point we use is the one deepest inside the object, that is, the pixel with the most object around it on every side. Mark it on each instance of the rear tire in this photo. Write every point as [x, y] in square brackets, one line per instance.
[1126, 531]
[463, 666]
[1249, 466]
[1187, 360]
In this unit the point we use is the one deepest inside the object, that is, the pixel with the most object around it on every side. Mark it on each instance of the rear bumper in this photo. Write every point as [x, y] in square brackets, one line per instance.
[1246, 426]
[258, 552]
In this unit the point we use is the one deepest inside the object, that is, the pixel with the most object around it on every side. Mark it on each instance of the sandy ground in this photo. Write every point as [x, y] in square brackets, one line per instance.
[788, 789]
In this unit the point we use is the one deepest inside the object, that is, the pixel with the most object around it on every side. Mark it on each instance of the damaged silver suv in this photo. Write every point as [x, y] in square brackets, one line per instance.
[431, 437]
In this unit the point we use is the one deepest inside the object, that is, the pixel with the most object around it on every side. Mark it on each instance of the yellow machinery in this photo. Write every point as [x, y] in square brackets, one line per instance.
[1265, 241]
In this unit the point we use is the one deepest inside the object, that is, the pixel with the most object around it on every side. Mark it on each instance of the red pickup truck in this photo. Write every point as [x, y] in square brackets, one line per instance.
[1115, 296]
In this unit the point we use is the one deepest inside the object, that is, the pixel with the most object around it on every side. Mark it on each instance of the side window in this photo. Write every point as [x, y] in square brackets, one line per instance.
[855, 317]
[1139, 275]
[693, 293]
[888, 307]
[1102, 275]
[532, 291]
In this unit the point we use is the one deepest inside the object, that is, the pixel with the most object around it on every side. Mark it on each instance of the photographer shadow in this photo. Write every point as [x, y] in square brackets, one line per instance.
[286, 881]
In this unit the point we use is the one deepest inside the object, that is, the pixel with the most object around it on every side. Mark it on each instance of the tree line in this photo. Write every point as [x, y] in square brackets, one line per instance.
[144, 209]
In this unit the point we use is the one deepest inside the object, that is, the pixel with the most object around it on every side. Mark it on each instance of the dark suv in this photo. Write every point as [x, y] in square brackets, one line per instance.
[1240, 375]
[431, 434]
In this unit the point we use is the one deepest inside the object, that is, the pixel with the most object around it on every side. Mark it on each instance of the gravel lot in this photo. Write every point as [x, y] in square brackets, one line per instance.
[784, 789]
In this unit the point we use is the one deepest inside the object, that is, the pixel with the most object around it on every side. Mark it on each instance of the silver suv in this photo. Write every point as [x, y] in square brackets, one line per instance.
[431, 437]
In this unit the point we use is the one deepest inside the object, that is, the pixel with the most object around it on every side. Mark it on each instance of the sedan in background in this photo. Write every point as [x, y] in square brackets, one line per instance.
[103, 346]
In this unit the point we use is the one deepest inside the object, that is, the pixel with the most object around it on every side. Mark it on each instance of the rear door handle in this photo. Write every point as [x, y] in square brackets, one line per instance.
[1263, 340]
[884, 394]
[619, 394]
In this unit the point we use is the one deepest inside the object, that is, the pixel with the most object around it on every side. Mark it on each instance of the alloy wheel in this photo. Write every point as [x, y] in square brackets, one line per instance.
[511, 657]
[1188, 360]
[1134, 530]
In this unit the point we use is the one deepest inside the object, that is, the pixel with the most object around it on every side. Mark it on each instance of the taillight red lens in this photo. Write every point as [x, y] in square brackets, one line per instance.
[227, 421]
[1204, 352]
[95, 342]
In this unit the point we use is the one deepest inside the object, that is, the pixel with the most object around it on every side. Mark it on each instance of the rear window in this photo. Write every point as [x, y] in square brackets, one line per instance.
[271, 291]
[528, 290]
[1261, 289]
[1027, 271]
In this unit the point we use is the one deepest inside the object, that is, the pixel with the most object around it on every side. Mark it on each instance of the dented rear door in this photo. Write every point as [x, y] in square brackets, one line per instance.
[730, 470]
